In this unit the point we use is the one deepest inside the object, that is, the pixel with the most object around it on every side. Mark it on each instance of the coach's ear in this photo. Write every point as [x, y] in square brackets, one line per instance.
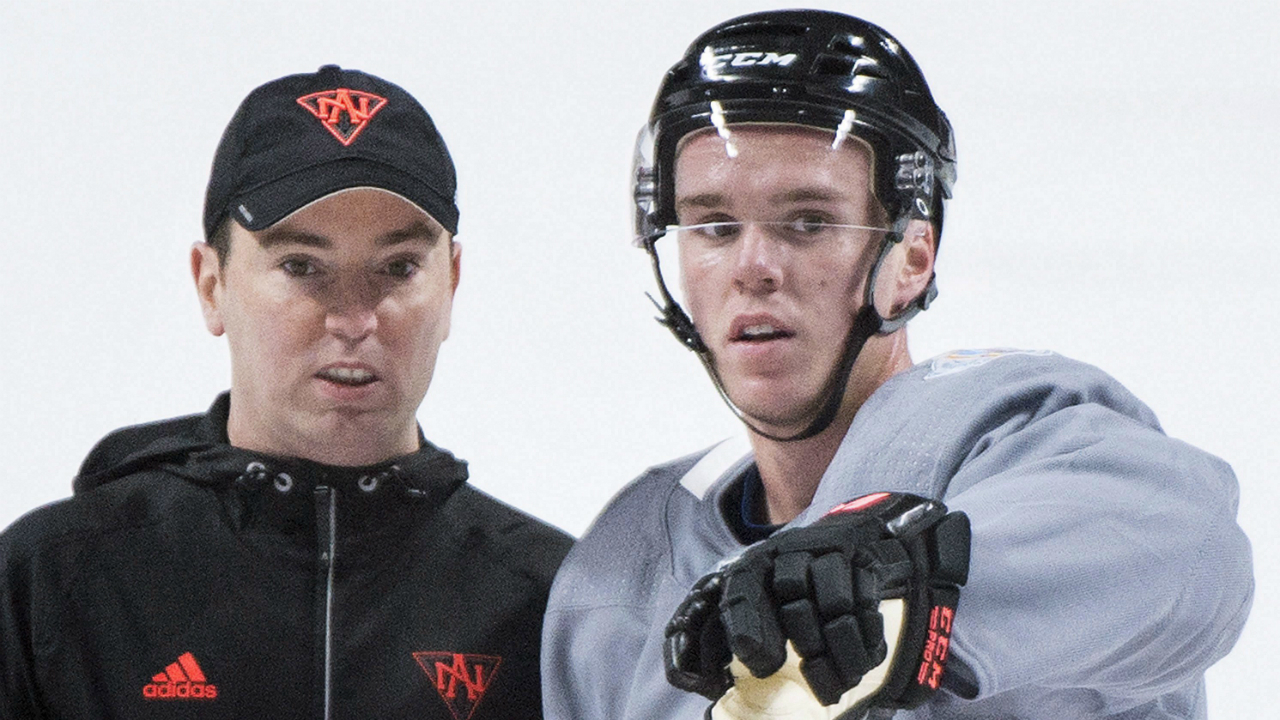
[206, 270]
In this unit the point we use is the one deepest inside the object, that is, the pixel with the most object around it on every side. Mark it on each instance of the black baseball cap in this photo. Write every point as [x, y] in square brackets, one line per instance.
[302, 137]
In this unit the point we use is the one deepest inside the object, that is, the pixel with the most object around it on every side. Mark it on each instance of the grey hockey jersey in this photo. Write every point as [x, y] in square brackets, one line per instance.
[1107, 568]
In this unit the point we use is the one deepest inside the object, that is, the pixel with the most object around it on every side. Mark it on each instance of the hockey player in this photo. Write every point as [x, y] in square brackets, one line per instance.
[300, 550]
[992, 533]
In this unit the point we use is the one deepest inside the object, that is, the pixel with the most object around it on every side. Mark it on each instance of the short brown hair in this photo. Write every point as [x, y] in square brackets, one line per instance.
[220, 240]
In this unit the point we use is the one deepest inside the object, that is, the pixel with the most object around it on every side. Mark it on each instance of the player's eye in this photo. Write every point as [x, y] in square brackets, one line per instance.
[720, 230]
[807, 224]
[717, 229]
[804, 228]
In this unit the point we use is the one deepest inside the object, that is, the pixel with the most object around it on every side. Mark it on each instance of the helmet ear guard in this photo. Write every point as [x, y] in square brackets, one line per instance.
[915, 176]
[644, 190]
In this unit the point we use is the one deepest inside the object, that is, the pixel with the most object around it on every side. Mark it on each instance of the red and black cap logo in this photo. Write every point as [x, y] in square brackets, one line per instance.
[343, 112]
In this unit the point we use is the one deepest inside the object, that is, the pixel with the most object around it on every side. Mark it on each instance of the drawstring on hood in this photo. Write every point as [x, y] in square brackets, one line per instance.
[196, 448]
[265, 491]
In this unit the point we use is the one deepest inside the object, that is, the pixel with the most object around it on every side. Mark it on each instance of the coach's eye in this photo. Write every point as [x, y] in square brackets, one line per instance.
[402, 268]
[298, 267]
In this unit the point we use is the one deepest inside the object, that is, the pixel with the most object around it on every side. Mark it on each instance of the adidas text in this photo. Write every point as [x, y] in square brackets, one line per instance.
[180, 691]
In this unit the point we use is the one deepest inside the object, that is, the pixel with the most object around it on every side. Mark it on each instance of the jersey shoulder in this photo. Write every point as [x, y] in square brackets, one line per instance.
[1001, 379]
[618, 557]
[923, 426]
[1001, 365]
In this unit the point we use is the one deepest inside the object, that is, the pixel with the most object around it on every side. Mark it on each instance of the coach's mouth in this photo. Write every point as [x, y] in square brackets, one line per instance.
[348, 376]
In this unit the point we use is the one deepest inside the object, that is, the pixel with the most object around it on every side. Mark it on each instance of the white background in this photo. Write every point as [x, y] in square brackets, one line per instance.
[1116, 203]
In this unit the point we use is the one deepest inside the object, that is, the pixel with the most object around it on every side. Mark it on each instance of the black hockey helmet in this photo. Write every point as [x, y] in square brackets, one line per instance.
[806, 67]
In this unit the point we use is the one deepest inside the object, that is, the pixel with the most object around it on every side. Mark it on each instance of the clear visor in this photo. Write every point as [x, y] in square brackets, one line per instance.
[768, 202]
[797, 232]
[702, 260]
[829, 150]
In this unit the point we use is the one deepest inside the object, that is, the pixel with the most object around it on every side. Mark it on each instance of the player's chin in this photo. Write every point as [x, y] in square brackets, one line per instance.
[777, 408]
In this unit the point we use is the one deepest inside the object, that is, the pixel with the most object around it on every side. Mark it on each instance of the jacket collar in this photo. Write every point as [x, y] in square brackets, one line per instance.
[196, 448]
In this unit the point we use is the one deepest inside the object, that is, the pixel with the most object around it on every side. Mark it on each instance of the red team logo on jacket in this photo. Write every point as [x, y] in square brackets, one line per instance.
[460, 679]
[182, 680]
[343, 112]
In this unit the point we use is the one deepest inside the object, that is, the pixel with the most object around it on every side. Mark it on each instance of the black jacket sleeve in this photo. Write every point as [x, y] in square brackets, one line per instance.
[18, 696]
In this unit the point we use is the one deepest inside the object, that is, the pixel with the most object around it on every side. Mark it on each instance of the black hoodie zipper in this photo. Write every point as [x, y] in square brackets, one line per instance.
[326, 546]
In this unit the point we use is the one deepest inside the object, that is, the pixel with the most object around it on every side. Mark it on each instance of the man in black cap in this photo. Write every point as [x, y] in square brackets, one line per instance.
[300, 550]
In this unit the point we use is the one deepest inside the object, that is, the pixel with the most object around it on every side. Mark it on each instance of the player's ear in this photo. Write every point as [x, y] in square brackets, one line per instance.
[206, 271]
[914, 266]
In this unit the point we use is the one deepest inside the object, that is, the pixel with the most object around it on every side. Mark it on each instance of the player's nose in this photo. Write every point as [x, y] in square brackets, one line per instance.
[758, 263]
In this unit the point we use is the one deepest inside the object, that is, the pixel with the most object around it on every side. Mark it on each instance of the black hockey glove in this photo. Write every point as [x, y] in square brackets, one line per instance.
[820, 590]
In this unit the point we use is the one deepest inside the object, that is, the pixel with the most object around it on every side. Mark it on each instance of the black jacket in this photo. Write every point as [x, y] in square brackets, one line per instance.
[187, 578]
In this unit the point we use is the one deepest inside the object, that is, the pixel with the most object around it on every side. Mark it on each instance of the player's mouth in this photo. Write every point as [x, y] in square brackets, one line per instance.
[758, 330]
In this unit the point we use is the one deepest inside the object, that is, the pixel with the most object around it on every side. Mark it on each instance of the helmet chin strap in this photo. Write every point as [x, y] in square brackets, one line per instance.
[866, 323]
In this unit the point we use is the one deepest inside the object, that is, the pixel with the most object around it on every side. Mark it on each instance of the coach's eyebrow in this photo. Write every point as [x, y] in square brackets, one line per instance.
[272, 237]
[418, 230]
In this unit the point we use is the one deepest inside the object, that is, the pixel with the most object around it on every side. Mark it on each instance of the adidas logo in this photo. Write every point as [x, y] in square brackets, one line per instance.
[182, 680]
